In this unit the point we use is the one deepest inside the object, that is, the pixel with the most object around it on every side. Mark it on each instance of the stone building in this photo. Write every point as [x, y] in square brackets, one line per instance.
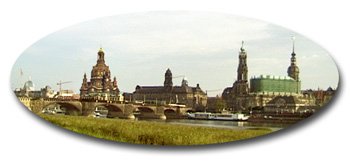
[290, 104]
[267, 92]
[322, 97]
[237, 97]
[29, 91]
[100, 86]
[169, 94]
[270, 83]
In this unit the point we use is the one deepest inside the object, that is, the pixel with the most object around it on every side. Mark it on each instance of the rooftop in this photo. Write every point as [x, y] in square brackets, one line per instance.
[273, 77]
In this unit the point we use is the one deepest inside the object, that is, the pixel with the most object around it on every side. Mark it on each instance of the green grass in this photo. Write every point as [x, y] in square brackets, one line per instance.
[153, 133]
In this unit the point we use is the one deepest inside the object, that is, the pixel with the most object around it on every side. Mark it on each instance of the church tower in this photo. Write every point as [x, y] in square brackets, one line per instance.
[236, 97]
[168, 82]
[100, 84]
[240, 86]
[100, 57]
[293, 69]
[242, 71]
[84, 86]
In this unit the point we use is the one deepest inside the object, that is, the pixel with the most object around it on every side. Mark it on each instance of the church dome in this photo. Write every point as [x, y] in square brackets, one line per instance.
[28, 86]
[292, 69]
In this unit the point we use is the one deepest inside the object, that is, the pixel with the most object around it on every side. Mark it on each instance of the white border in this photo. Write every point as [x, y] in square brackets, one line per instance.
[24, 138]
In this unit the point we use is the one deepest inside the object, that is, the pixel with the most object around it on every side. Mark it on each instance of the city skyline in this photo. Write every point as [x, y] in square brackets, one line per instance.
[193, 44]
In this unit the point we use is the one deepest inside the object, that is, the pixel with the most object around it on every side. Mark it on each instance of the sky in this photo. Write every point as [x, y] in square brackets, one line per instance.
[202, 46]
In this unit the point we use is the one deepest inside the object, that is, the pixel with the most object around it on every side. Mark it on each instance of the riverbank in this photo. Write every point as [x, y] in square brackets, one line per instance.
[153, 133]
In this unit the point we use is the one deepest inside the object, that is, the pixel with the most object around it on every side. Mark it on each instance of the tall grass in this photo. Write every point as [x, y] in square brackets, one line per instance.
[153, 133]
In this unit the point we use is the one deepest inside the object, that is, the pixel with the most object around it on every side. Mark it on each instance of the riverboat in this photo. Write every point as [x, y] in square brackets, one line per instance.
[218, 116]
[100, 112]
[57, 110]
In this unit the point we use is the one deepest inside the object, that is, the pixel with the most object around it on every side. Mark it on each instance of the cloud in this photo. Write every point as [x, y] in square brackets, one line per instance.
[203, 46]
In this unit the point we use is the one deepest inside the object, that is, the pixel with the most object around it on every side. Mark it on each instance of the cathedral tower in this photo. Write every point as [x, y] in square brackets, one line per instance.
[293, 69]
[100, 83]
[168, 82]
[236, 97]
[242, 71]
[240, 86]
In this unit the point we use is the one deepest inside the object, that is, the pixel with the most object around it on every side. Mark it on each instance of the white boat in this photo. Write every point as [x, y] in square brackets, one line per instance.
[57, 110]
[100, 112]
[218, 116]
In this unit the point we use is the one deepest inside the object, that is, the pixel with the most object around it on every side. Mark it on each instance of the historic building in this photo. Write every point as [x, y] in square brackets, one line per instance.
[267, 92]
[279, 84]
[100, 86]
[29, 91]
[237, 96]
[322, 97]
[169, 94]
[270, 84]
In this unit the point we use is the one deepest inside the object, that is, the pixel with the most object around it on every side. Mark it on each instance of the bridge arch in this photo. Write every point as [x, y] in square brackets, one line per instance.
[65, 108]
[144, 109]
[170, 113]
[114, 111]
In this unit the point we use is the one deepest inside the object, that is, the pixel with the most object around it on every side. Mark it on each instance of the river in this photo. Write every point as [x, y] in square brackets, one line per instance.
[221, 124]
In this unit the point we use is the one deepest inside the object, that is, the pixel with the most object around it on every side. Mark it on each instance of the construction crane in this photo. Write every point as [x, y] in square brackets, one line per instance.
[60, 84]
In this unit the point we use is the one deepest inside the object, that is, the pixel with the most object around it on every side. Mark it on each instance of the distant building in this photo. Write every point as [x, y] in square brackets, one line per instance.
[68, 95]
[267, 92]
[237, 96]
[290, 104]
[48, 92]
[29, 91]
[168, 94]
[322, 97]
[100, 86]
[270, 83]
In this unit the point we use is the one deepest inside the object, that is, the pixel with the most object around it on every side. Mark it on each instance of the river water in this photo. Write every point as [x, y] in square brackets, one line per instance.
[221, 124]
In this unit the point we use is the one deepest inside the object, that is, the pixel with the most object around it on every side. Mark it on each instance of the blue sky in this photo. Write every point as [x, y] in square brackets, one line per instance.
[202, 46]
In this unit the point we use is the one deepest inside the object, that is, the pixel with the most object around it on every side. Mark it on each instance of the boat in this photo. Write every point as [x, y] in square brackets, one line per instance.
[57, 110]
[100, 112]
[218, 116]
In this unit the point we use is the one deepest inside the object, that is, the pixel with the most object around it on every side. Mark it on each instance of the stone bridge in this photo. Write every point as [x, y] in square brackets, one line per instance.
[120, 110]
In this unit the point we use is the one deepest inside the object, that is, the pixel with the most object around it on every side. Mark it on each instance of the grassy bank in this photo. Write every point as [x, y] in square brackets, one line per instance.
[145, 132]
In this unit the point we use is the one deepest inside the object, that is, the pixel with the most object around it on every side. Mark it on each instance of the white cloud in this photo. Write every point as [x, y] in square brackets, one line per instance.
[202, 46]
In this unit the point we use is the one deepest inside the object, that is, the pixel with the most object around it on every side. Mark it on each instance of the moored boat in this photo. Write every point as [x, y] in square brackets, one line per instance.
[218, 116]
[100, 112]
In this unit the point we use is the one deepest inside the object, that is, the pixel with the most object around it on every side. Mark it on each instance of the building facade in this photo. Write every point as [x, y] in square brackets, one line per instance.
[267, 92]
[270, 83]
[322, 97]
[100, 86]
[169, 94]
[29, 91]
[237, 97]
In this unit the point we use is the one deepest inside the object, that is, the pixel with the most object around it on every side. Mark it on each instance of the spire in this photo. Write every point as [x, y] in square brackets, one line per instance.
[101, 56]
[168, 82]
[293, 38]
[242, 71]
[293, 69]
[115, 84]
[242, 49]
[293, 59]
